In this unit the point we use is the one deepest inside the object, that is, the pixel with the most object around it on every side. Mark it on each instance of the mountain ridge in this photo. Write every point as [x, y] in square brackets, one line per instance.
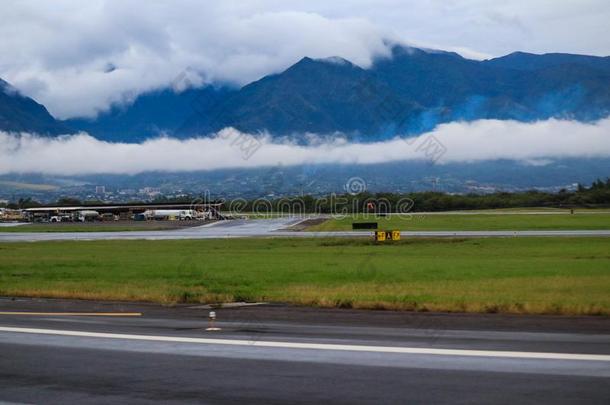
[412, 91]
[19, 113]
[408, 92]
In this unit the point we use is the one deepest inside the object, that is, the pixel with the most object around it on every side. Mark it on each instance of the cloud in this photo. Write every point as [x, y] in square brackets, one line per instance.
[60, 52]
[149, 45]
[530, 143]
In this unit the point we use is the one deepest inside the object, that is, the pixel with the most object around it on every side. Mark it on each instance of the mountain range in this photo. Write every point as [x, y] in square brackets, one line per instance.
[19, 113]
[408, 92]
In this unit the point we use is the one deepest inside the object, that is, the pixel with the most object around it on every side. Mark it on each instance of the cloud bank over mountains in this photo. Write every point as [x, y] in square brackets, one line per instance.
[77, 58]
[531, 143]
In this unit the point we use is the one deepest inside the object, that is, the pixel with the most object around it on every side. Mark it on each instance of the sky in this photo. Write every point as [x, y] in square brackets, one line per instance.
[79, 57]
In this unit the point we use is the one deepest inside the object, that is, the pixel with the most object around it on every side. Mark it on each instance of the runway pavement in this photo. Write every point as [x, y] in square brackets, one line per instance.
[277, 227]
[12, 224]
[277, 354]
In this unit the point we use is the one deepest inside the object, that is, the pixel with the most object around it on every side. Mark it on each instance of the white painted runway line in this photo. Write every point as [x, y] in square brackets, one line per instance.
[22, 313]
[319, 346]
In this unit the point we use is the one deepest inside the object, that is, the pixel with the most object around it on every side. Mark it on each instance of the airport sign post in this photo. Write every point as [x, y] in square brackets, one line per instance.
[383, 236]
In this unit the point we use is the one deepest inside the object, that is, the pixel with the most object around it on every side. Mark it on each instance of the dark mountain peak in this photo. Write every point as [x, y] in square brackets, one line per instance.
[550, 55]
[19, 113]
[335, 60]
[7, 88]
[409, 91]
[109, 67]
[314, 73]
[305, 60]
[314, 95]
[308, 64]
[531, 61]
[303, 64]
[517, 54]
[405, 51]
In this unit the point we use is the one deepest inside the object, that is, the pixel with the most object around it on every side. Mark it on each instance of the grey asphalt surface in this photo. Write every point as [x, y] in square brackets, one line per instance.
[41, 368]
[12, 224]
[276, 227]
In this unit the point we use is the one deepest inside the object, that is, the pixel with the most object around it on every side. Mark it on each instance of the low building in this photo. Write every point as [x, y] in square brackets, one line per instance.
[123, 211]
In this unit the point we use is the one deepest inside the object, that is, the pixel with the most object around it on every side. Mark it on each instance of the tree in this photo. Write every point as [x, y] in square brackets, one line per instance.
[28, 203]
[64, 201]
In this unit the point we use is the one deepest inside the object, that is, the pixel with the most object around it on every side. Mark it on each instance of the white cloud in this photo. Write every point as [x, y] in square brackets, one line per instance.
[531, 143]
[58, 52]
[60, 57]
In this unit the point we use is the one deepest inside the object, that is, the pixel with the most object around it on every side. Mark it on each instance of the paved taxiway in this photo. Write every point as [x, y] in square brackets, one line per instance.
[272, 354]
[276, 227]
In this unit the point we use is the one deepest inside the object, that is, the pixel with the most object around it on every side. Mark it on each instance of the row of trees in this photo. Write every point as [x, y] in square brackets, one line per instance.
[29, 202]
[598, 194]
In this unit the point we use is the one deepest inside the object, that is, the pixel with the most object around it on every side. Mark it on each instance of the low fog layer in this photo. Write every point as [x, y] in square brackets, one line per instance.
[533, 143]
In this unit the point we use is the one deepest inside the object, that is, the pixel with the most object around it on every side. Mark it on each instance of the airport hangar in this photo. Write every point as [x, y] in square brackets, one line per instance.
[121, 211]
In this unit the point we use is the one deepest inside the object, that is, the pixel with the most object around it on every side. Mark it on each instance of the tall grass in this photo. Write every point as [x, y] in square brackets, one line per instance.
[514, 275]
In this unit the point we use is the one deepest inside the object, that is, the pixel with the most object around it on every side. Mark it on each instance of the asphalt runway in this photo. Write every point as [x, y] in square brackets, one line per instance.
[277, 227]
[278, 354]
[12, 224]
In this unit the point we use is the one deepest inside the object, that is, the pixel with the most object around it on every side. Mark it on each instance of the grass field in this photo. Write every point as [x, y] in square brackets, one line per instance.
[517, 275]
[475, 222]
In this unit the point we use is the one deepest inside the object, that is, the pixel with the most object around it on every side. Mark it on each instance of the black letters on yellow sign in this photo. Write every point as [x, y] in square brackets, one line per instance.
[382, 236]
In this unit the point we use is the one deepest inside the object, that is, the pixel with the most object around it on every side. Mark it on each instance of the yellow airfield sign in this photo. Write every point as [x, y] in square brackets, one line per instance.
[382, 236]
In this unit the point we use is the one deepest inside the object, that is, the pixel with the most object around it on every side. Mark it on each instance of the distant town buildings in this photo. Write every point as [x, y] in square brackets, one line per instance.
[150, 191]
